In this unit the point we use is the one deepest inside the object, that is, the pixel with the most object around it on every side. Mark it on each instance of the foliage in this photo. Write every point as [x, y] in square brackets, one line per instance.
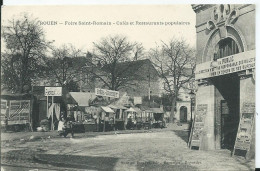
[175, 62]
[24, 40]
[113, 62]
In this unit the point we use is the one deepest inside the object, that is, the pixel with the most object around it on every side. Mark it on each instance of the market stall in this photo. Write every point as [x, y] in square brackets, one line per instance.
[130, 120]
[158, 115]
[81, 112]
[107, 118]
[119, 115]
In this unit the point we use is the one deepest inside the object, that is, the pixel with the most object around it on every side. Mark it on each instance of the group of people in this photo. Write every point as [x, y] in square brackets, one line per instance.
[65, 126]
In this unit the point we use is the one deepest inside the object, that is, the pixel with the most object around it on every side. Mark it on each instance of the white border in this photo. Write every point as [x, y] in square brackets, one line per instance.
[151, 2]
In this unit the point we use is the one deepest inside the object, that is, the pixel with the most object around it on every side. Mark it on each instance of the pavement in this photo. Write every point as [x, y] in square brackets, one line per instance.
[155, 149]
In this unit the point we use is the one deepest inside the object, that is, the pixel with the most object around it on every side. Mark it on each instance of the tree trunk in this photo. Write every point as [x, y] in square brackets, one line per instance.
[172, 115]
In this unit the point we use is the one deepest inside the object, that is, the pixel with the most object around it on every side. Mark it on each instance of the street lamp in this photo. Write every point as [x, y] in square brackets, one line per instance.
[192, 95]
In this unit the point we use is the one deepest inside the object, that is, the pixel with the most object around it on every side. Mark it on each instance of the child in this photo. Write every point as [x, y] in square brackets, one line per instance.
[61, 124]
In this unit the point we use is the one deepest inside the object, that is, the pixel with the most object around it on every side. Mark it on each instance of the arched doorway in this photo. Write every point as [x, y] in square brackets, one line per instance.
[183, 114]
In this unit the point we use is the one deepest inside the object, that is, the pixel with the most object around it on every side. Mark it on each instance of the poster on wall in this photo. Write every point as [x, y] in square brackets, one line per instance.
[245, 129]
[198, 125]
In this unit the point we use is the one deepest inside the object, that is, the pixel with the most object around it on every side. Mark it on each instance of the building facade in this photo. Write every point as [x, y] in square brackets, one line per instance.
[225, 63]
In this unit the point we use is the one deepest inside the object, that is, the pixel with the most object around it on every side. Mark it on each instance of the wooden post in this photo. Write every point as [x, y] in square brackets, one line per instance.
[52, 128]
[104, 123]
[47, 105]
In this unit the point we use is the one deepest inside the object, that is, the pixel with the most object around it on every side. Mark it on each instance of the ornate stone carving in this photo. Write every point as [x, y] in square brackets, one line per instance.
[222, 15]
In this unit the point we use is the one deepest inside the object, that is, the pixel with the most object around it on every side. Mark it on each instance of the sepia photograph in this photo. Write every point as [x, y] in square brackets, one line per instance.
[128, 87]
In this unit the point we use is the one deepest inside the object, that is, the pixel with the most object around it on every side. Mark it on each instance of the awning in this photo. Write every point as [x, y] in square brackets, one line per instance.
[137, 110]
[82, 98]
[107, 109]
[116, 106]
[130, 110]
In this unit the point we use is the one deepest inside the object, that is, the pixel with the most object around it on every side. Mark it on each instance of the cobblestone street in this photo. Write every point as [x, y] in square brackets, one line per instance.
[156, 149]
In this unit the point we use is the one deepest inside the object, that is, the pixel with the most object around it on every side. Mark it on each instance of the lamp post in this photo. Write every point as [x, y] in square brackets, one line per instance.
[192, 95]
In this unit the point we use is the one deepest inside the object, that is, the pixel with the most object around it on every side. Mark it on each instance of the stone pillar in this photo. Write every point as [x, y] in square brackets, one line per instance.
[205, 95]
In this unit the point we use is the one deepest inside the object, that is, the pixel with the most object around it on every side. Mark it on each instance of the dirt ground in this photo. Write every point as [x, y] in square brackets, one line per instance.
[160, 149]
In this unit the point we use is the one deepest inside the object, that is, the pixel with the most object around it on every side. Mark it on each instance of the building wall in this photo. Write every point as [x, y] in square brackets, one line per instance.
[209, 33]
[141, 87]
[245, 25]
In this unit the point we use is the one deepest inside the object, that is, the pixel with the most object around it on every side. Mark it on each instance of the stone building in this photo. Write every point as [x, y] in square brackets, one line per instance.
[146, 78]
[225, 63]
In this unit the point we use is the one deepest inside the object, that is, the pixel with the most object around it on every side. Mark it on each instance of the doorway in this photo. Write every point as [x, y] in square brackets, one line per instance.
[228, 115]
[183, 114]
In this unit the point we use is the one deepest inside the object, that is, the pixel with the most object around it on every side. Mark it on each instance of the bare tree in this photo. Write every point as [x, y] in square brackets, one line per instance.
[112, 60]
[65, 65]
[138, 51]
[175, 62]
[24, 40]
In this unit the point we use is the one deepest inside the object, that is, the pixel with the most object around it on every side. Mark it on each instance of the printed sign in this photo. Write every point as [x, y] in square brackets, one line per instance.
[198, 126]
[53, 91]
[230, 64]
[92, 110]
[244, 133]
[107, 93]
[137, 100]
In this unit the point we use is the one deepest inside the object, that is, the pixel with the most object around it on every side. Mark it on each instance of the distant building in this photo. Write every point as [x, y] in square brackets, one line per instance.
[141, 75]
[183, 105]
[146, 78]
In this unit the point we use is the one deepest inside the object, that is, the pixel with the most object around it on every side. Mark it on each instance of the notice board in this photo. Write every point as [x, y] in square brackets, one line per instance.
[19, 112]
[198, 125]
[244, 133]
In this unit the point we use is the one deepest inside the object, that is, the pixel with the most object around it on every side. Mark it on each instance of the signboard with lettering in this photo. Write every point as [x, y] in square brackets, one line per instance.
[198, 125]
[92, 110]
[137, 100]
[244, 133]
[107, 93]
[230, 64]
[53, 91]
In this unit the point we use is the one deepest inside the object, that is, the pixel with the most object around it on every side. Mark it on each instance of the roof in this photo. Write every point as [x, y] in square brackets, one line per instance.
[130, 66]
[107, 109]
[130, 110]
[157, 110]
[137, 110]
[82, 98]
[113, 106]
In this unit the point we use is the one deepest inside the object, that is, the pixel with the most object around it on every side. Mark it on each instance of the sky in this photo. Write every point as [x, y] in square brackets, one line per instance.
[83, 36]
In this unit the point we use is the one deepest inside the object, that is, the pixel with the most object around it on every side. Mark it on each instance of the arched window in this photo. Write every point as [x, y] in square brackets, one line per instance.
[226, 47]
